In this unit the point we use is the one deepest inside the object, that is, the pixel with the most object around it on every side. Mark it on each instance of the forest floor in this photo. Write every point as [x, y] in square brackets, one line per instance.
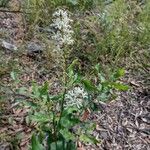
[123, 124]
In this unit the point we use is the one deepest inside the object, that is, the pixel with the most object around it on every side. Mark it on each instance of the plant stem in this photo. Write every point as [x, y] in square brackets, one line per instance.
[12, 11]
[55, 132]
[62, 107]
[65, 90]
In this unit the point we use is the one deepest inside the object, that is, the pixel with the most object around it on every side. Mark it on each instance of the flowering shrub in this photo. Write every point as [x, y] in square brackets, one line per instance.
[62, 119]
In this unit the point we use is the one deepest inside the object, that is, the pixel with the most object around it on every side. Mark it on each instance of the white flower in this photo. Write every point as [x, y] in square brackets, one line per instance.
[63, 34]
[75, 97]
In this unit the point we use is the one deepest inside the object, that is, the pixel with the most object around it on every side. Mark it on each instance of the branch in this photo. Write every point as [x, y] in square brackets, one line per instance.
[13, 11]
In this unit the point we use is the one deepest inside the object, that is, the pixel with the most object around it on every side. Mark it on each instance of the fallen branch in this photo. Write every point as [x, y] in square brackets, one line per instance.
[12, 11]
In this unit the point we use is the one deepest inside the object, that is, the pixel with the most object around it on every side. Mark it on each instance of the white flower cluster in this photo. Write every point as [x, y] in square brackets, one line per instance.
[64, 32]
[75, 97]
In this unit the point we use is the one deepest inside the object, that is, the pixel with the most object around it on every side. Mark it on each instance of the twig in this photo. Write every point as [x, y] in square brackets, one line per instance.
[12, 11]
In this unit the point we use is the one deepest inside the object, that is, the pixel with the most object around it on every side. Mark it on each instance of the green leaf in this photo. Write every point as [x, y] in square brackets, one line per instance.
[89, 85]
[39, 117]
[102, 78]
[71, 146]
[35, 90]
[73, 2]
[97, 68]
[88, 139]
[50, 139]
[70, 110]
[22, 90]
[73, 77]
[69, 121]
[103, 97]
[58, 145]
[120, 86]
[71, 67]
[119, 73]
[40, 92]
[13, 75]
[90, 126]
[63, 145]
[67, 135]
[44, 89]
[69, 118]
[35, 143]
[56, 97]
[31, 104]
[4, 3]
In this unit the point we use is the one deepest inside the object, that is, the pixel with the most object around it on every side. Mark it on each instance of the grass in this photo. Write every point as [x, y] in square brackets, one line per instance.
[110, 30]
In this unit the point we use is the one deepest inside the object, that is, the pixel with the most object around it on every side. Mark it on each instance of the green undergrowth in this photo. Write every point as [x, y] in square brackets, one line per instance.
[102, 29]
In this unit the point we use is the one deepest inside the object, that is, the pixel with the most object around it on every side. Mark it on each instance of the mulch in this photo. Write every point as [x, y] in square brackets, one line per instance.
[124, 124]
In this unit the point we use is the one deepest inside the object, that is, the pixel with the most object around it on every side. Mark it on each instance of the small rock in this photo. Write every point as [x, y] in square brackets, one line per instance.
[33, 47]
[104, 135]
[8, 46]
